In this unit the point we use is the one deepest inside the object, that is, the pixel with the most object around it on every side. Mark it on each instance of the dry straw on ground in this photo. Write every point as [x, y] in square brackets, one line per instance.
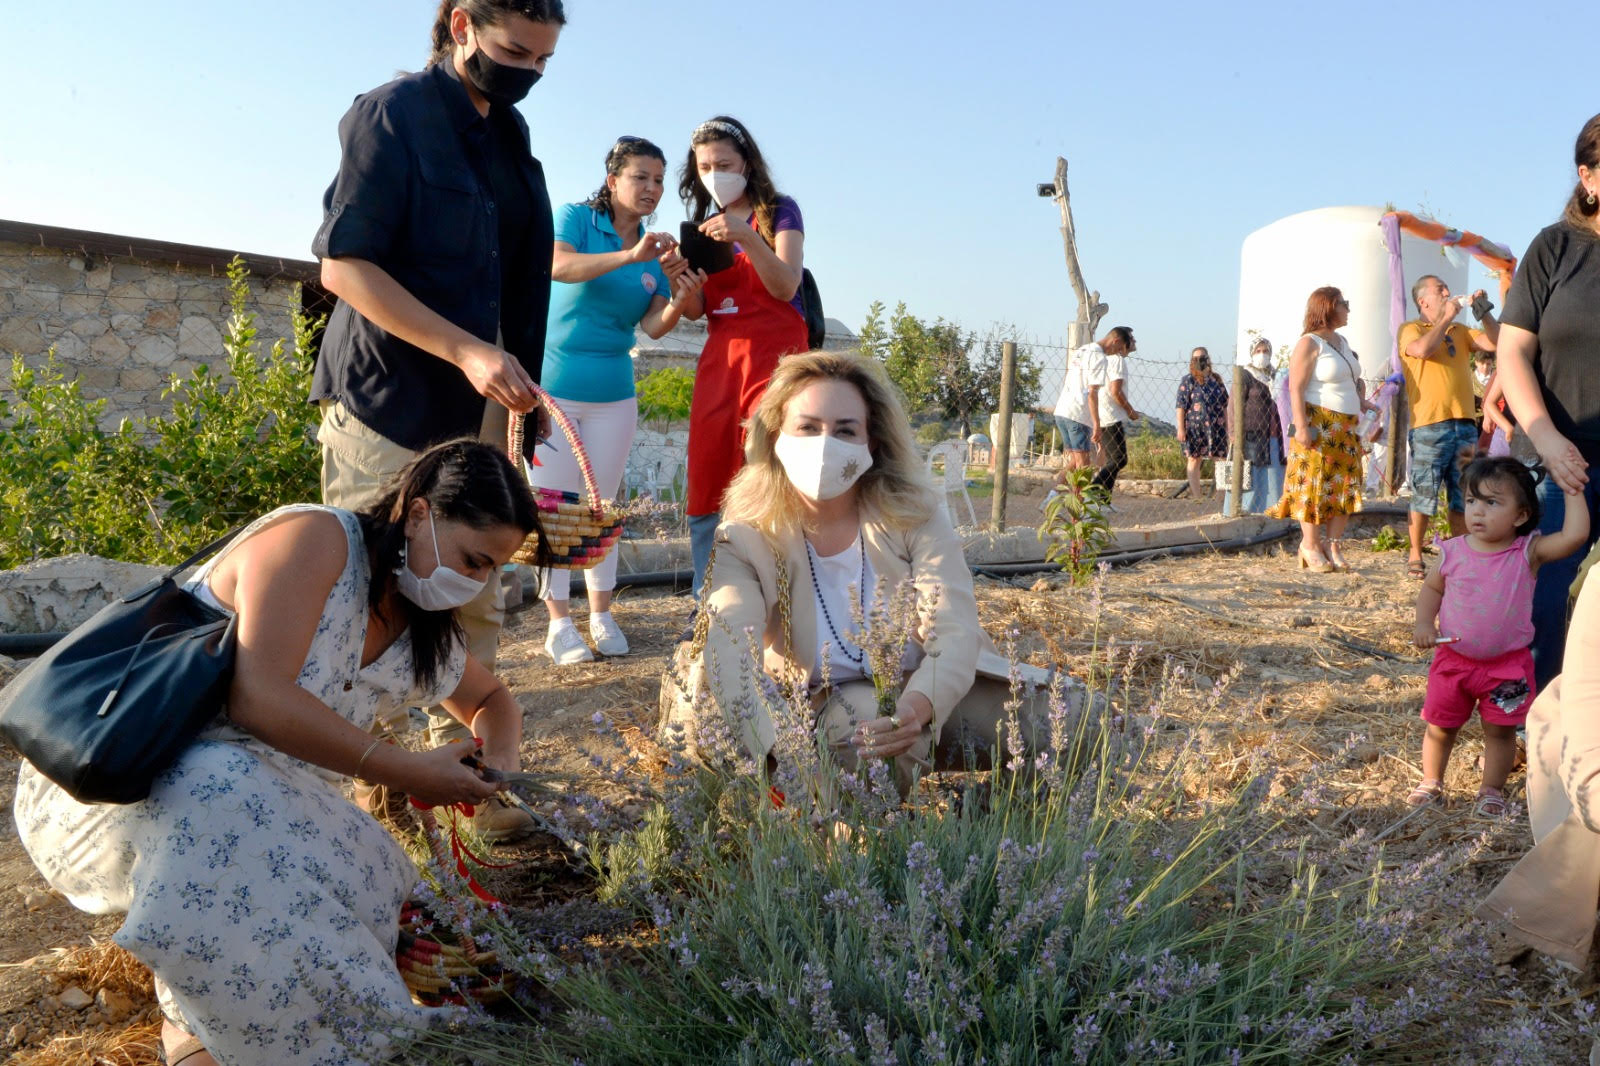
[1321, 685]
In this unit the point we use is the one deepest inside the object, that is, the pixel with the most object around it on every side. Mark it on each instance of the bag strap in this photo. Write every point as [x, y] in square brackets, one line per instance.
[209, 550]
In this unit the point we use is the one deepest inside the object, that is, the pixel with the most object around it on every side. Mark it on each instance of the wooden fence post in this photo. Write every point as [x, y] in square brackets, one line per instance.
[1002, 446]
[1236, 443]
[1393, 465]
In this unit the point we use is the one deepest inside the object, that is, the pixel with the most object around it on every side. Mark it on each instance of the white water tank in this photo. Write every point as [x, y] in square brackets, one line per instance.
[1282, 263]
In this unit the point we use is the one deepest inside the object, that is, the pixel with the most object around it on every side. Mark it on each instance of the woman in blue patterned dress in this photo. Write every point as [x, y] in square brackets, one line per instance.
[266, 904]
[1202, 416]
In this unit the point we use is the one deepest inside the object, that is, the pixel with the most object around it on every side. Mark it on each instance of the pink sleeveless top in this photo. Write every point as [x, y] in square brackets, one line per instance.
[1488, 598]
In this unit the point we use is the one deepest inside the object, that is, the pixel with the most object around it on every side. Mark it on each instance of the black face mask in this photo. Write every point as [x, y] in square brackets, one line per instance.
[500, 84]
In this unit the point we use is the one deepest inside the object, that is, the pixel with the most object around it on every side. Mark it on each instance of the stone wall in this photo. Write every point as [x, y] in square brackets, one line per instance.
[123, 326]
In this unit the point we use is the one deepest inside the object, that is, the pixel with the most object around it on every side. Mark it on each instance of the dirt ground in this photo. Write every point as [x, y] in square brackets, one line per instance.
[1318, 658]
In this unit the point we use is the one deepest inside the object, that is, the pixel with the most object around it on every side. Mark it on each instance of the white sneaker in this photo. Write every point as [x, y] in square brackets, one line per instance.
[607, 635]
[565, 646]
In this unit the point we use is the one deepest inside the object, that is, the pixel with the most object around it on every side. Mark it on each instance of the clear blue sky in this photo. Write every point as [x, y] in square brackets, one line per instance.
[911, 134]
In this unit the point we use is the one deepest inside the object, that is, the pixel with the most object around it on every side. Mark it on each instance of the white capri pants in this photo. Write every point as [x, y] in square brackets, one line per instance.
[606, 430]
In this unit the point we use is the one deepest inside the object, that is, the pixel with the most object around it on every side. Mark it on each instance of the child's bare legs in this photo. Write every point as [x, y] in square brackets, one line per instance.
[1437, 742]
[1499, 754]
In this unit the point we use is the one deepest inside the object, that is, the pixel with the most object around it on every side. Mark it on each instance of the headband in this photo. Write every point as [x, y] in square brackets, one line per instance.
[727, 129]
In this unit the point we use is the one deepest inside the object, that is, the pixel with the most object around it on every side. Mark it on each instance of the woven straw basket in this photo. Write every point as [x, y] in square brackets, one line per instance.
[579, 533]
[438, 971]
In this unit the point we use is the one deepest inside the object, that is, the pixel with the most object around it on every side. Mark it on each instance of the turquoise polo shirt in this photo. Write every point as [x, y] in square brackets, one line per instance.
[587, 346]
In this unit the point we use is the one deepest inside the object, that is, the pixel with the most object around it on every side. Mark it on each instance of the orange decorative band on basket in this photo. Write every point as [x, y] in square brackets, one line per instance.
[579, 529]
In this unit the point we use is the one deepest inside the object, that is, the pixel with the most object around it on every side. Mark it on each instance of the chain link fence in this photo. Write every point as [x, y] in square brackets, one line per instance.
[1151, 490]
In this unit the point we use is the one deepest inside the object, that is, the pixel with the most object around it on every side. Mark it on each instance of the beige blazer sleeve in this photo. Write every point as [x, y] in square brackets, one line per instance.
[742, 597]
[1548, 898]
[953, 639]
[1580, 704]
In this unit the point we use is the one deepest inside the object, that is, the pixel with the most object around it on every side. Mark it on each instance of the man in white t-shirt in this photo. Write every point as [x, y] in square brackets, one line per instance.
[1077, 410]
[1115, 410]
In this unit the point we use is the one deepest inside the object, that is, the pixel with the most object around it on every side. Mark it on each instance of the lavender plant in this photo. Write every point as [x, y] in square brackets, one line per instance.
[1083, 909]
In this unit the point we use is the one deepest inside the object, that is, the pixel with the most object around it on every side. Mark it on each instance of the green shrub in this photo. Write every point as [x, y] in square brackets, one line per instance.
[931, 433]
[1154, 455]
[66, 485]
[664, 394]
[155, 489]
[1045, 435]
[1388, 540]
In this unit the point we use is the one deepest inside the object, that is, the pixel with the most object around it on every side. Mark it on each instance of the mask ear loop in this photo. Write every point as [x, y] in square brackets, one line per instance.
[433, 531]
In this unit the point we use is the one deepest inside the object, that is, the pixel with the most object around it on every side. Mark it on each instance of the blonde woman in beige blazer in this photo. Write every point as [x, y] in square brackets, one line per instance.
[1549, 897]
[832, 493]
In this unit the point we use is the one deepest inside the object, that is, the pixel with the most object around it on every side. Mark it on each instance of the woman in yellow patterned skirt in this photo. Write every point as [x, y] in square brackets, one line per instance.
[1326, 397]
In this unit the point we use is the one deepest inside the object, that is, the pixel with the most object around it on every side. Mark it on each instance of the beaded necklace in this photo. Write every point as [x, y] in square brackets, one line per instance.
[839, 642]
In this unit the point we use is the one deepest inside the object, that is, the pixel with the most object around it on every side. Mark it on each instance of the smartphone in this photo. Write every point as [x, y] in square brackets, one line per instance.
[701, 251]
[1480, 307]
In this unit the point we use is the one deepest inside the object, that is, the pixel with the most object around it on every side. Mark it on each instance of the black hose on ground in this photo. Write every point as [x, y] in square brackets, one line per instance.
[28, 645]
[682, 578]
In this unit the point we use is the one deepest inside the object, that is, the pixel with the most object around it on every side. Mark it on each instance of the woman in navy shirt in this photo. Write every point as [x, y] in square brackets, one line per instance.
[436, 238]
[611, 275]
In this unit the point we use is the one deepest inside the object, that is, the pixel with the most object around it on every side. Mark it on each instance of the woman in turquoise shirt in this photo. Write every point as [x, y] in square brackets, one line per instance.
[604, 287]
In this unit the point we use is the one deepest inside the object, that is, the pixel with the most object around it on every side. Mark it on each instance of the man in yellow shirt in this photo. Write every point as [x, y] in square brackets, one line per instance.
[1436, 352]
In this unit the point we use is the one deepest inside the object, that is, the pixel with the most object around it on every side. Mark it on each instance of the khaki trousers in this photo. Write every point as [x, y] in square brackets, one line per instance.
[357, 462]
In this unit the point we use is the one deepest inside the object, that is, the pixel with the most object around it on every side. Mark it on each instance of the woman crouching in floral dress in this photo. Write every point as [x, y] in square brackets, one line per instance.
[266, 904]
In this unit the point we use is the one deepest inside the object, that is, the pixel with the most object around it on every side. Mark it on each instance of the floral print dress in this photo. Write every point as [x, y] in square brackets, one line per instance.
[1205, 419]
[265, 902]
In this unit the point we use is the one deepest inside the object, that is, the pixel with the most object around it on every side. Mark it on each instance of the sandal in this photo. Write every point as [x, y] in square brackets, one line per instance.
[1429, 791]
[1417, 569]
[1491, 803]
[187, 1049]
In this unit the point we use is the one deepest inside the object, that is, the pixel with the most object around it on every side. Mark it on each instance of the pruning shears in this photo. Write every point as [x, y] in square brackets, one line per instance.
[515, 778]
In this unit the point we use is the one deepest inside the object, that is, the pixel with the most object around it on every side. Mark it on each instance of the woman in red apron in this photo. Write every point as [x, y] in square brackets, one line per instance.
[755, 316]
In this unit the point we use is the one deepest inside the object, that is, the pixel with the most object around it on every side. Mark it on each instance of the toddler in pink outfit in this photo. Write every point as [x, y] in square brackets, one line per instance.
[1476, 611]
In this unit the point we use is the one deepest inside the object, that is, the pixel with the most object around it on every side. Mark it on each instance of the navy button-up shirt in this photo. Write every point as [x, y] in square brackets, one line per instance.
[415, 195]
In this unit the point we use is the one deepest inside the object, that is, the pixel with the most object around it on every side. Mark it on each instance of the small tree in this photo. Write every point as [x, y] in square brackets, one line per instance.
[942, 370]
[665, 394]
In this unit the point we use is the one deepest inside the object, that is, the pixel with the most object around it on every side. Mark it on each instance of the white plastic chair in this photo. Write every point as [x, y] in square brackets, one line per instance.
[670, 472]
[953, 454]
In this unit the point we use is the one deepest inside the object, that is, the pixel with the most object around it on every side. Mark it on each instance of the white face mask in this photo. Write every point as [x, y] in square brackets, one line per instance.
[443, 590]
[821, 467]
[725, 186]
[1261, 360]
[1482, 376]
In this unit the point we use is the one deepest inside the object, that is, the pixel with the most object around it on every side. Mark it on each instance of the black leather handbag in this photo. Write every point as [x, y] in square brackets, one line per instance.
[115, 702]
